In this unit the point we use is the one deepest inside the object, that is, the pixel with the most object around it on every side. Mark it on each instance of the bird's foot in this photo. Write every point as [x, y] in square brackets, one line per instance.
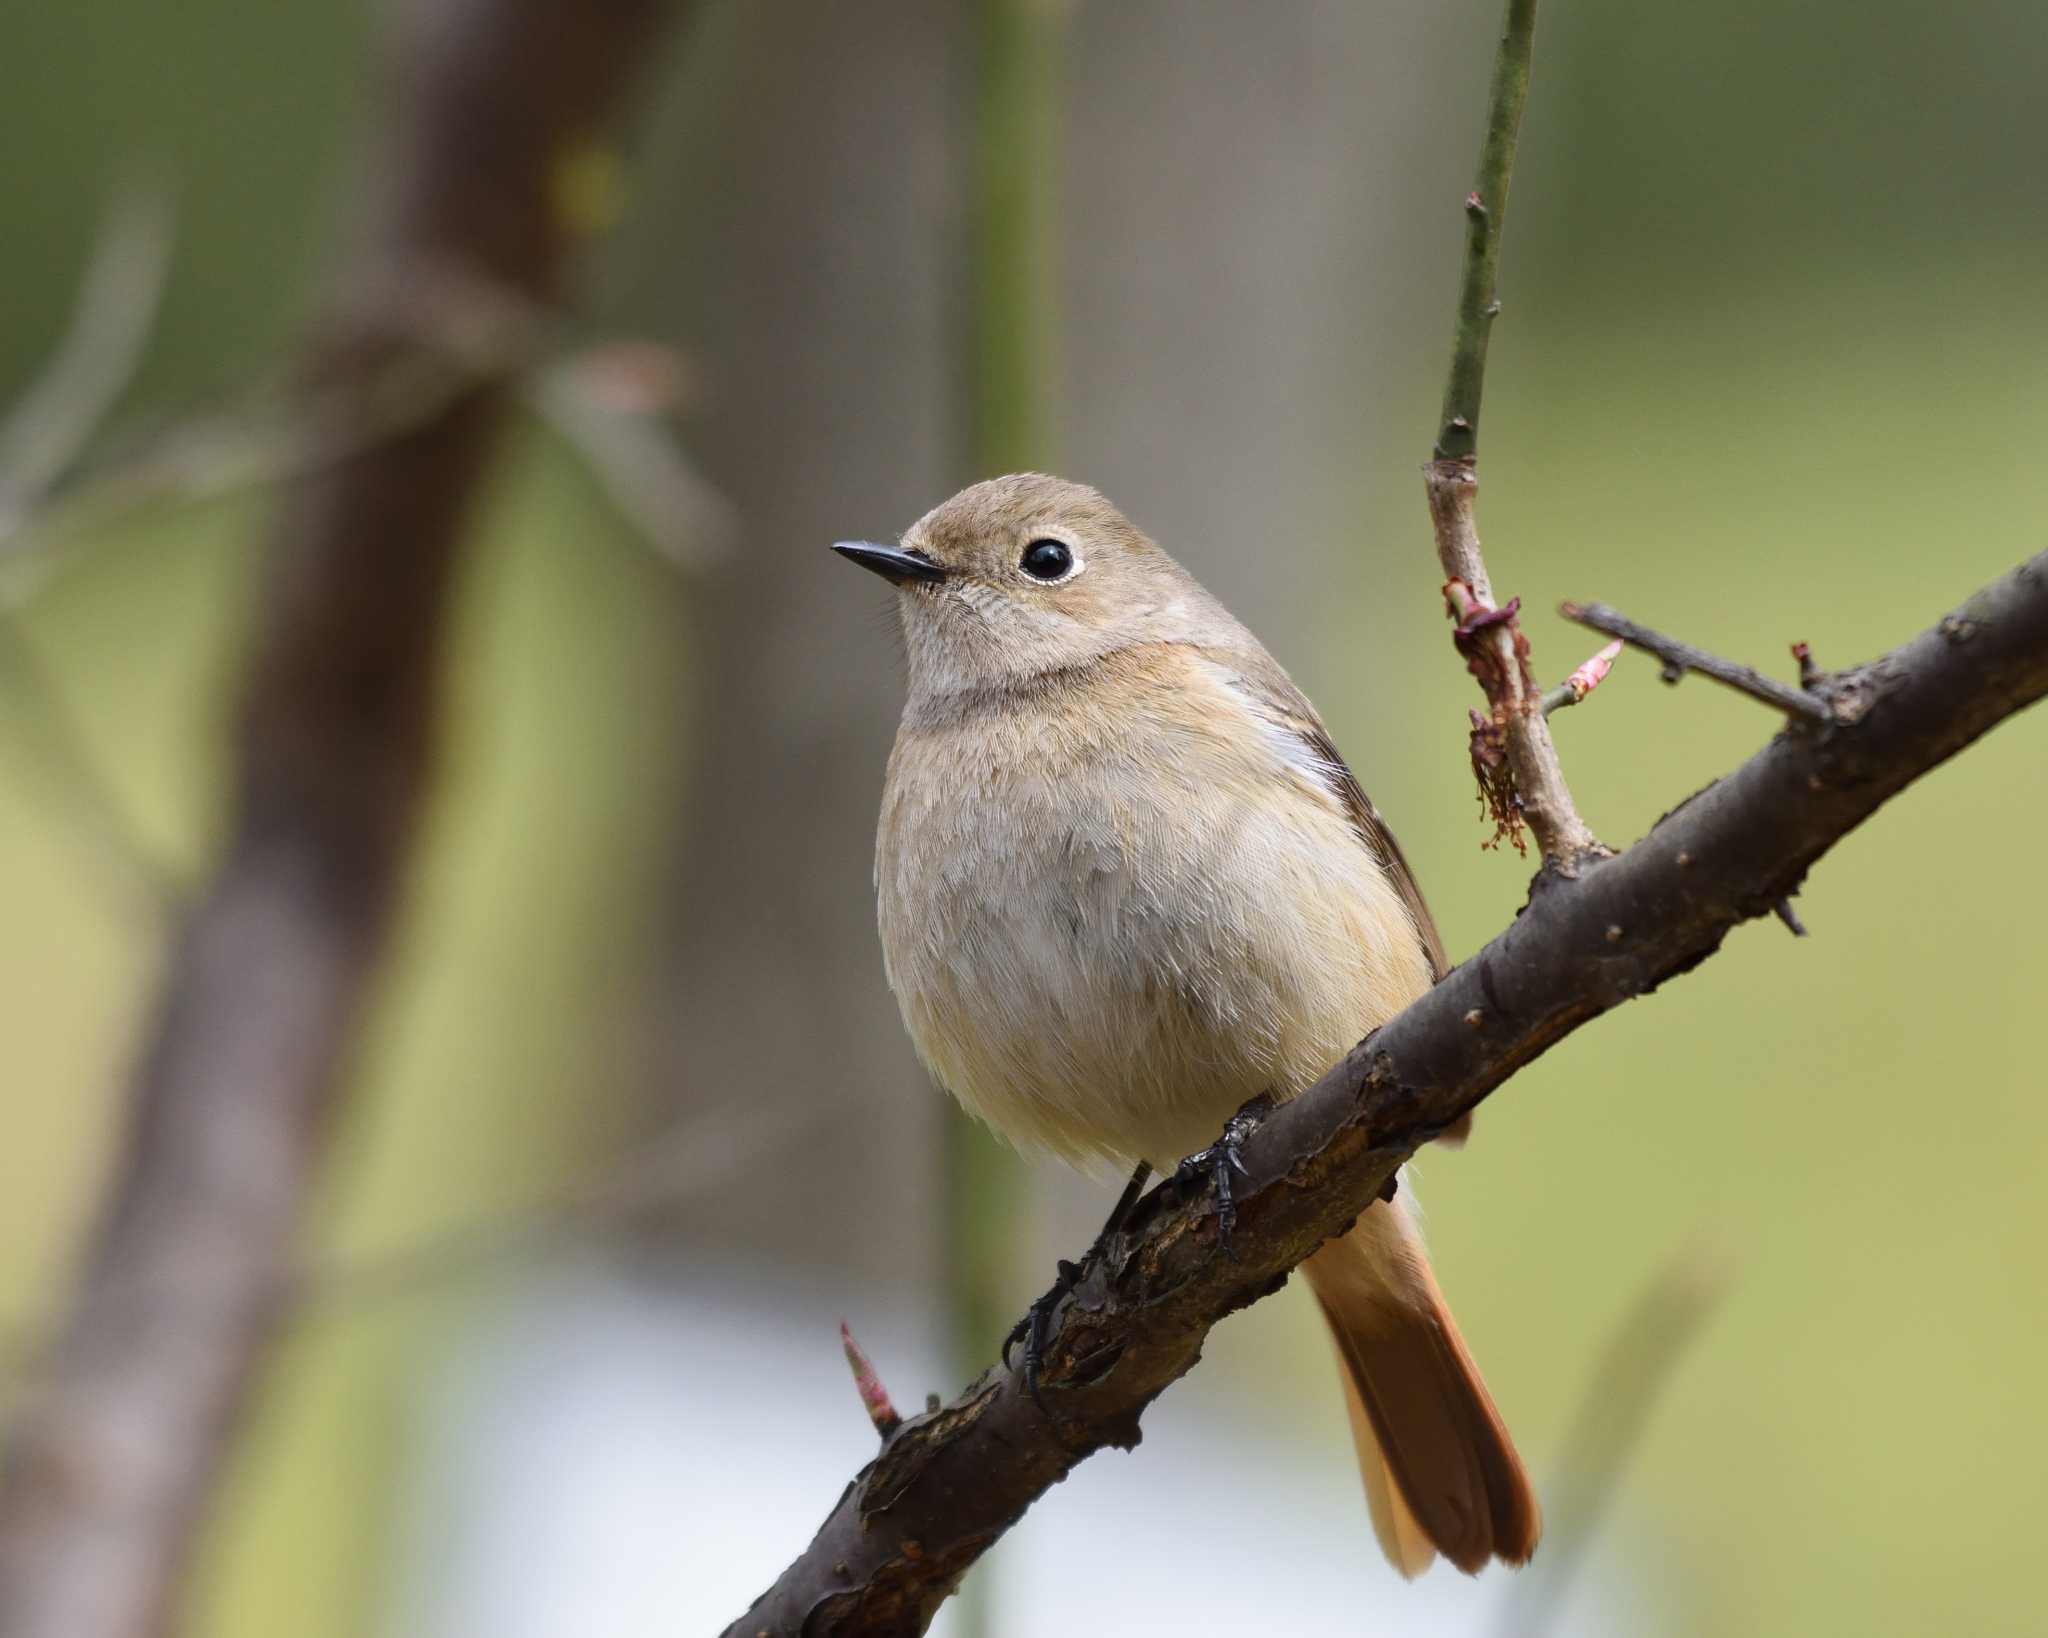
[1223, 1157]
[1035, 1327]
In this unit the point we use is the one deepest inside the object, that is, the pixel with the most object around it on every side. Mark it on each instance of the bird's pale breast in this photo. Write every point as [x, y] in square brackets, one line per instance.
[1117, 904]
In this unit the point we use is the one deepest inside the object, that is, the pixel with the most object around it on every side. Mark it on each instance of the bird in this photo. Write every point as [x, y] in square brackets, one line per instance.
[1126, 886]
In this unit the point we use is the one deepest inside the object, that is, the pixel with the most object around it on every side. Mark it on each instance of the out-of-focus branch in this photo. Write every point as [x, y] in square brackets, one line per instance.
[114, 857]
[1512, 754]
[45, 429]
[589, 396]
[951, 1481]
[618, 1200]
[111, 1468]
[607, 403]
[40, 440]
[1614, 1413]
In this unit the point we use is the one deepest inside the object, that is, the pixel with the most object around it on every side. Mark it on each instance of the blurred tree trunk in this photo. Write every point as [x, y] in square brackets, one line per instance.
[462, 238]
[816, 277]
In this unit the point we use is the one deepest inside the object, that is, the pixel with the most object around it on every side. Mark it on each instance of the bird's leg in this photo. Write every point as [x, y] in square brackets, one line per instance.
[1032, 1330]
[1120, 1213]
[1223, 1157]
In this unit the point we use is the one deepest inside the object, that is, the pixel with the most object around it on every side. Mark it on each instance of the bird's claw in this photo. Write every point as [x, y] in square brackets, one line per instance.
[1220, 1159]
[1035, 1327]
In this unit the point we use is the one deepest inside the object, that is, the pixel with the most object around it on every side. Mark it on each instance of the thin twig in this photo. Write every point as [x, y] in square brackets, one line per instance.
[680, 515]
[1486, 208]
[1591, 673]
[607, 402]
[1679, 658]
[1513, 757]
[418, 381]
[94, 819]
[630, 1191]
[40, 441]
[49, 424]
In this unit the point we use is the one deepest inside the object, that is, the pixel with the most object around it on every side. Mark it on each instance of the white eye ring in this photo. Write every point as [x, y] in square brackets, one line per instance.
[1049, 560]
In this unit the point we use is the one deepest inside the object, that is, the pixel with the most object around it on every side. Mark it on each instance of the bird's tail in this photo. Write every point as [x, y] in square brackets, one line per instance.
[1441, 1474]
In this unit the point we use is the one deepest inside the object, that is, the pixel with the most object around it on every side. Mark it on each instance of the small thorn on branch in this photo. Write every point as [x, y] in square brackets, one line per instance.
[1589, 676]
[1809, 673]
[874, 1398]
[1679, 658]
[1790, 917]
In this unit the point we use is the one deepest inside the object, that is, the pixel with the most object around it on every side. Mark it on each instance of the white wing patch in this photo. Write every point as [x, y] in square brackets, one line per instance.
[1292, 752]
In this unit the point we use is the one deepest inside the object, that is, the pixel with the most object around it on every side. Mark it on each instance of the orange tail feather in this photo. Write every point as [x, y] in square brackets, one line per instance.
[1441, 1474]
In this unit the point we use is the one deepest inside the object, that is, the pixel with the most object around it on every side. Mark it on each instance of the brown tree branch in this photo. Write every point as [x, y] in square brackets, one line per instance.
[110, 1469]
[1512, 753]
[953, 1480]
[1679, 658]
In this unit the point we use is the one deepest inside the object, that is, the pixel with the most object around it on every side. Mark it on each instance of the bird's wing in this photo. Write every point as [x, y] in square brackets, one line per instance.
[1283, 706]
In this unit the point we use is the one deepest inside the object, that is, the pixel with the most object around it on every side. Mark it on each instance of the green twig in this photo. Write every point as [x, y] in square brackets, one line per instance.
[1485, 213]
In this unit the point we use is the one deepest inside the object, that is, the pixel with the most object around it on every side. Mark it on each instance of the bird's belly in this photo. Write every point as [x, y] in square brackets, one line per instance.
[1117, 980]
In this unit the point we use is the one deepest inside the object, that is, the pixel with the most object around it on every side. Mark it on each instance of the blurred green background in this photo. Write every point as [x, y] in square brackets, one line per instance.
[1768, 370]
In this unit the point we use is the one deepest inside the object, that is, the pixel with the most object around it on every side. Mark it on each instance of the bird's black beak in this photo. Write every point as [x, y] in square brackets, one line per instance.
[891, 562]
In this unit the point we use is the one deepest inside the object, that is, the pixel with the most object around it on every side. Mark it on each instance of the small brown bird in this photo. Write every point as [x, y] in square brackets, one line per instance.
[1126, 885]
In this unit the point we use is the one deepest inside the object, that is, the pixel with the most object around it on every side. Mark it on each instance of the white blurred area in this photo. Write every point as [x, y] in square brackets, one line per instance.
[608, 1456]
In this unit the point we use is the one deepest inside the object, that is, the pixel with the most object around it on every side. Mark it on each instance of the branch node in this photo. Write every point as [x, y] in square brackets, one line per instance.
[1809, 672]
[874, 1398]
[1475, 616]
[1475, 207]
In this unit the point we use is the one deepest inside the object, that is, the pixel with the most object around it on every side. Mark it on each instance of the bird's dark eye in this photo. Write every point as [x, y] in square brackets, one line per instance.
[1046, 559]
